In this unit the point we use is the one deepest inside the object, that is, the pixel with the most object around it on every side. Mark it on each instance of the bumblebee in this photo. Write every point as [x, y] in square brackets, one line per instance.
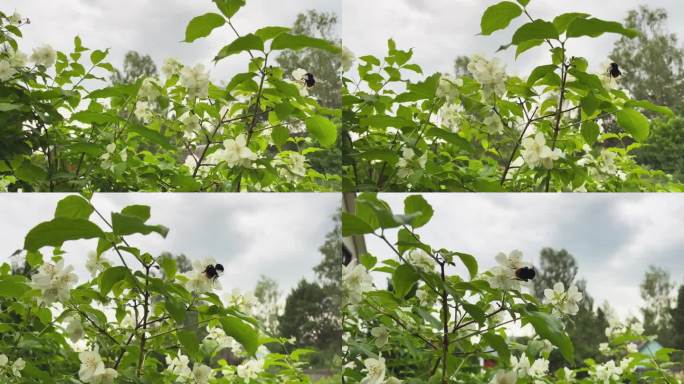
[614, 70]
[309, 80]
[213, 271]
[525, 274]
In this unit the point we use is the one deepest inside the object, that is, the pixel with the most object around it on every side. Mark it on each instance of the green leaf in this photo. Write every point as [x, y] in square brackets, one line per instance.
[123, 224]
[322, 130]
[241, 44]
[92, 117]
[13, 286]
[280, 135]
[190, 343]
[550, 328]
[470, 263]
[201, 26]
[563, 21]
[55, 232]
[244, 333]
[97, 56]
[268, 33]
[590, 131]
[74, 207]
[595, 27]
[475, 312]
[111, 276]
[403, 279]
[30, 172]
[353, 225]
[499, 344]
[645, 104]
[416, 204]
[151, 135]
[499, 16]
[536, 30]
[176, 309]
[140, 211]
[296, 42]
[229, 7]
[634, 122]
[539, 73]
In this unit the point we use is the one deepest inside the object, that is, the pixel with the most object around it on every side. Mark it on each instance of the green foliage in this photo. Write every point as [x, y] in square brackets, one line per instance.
[179, 132]
[487, 131]
[127, 317]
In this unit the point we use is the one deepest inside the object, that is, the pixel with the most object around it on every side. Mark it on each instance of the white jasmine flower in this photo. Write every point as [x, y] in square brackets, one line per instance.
[14, 18]
[535, 152]
[91, 366]
[44, 55]
[196, 80]
[347, 59]
[237, 153]
[408, 161]
[604, 348]
[3, 360]
[198, 281]
[606, 372]
[299, 77]
[569, 375]
[6, 70]
[420, 259]
[74, 328]
[250, 369]
[96, 263]
[18, 365]
[201, 374]
[521, 365]
[179, 365]
[375, 371]
[355, 281]
[149, 89]
[171, 67]
[106, 377]
[298, 166]
[448, 87]
[490, 74]
[143, 111]
[192, 126]
[503, 377]
[18, 59]
[54, 281]
[493, 124]
[563, 302]
[539, 368]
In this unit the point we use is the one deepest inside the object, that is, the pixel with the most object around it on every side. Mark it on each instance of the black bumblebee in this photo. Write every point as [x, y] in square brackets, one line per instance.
[213, 271]
[614, 70]
[525, 274]
[309, 80]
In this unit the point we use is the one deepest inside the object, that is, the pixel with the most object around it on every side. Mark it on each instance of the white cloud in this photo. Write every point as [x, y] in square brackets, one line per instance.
[614, 237]
[276, 235]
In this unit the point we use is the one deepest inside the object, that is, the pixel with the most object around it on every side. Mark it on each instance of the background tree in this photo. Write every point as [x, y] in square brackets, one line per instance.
[461, 65]
[135, 66]
[678, 321]
[268, 296]
[587, 328]
[312, 309]
[656, 291]
[653, 66]
[653, 62]
[324, 65]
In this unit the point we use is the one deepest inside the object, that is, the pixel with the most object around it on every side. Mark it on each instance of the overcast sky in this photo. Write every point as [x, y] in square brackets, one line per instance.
[614, 237]
[440, 30]
[153, 27]
[276, 235]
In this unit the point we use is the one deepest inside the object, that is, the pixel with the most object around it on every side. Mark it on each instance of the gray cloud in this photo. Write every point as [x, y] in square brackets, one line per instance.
[276, 235]
[614, 237]
[440, 30]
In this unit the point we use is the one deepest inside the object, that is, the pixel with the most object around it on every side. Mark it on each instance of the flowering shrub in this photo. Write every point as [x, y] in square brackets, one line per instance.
[136, 320]
[489, 131]
[435, 325]
[255, 130]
